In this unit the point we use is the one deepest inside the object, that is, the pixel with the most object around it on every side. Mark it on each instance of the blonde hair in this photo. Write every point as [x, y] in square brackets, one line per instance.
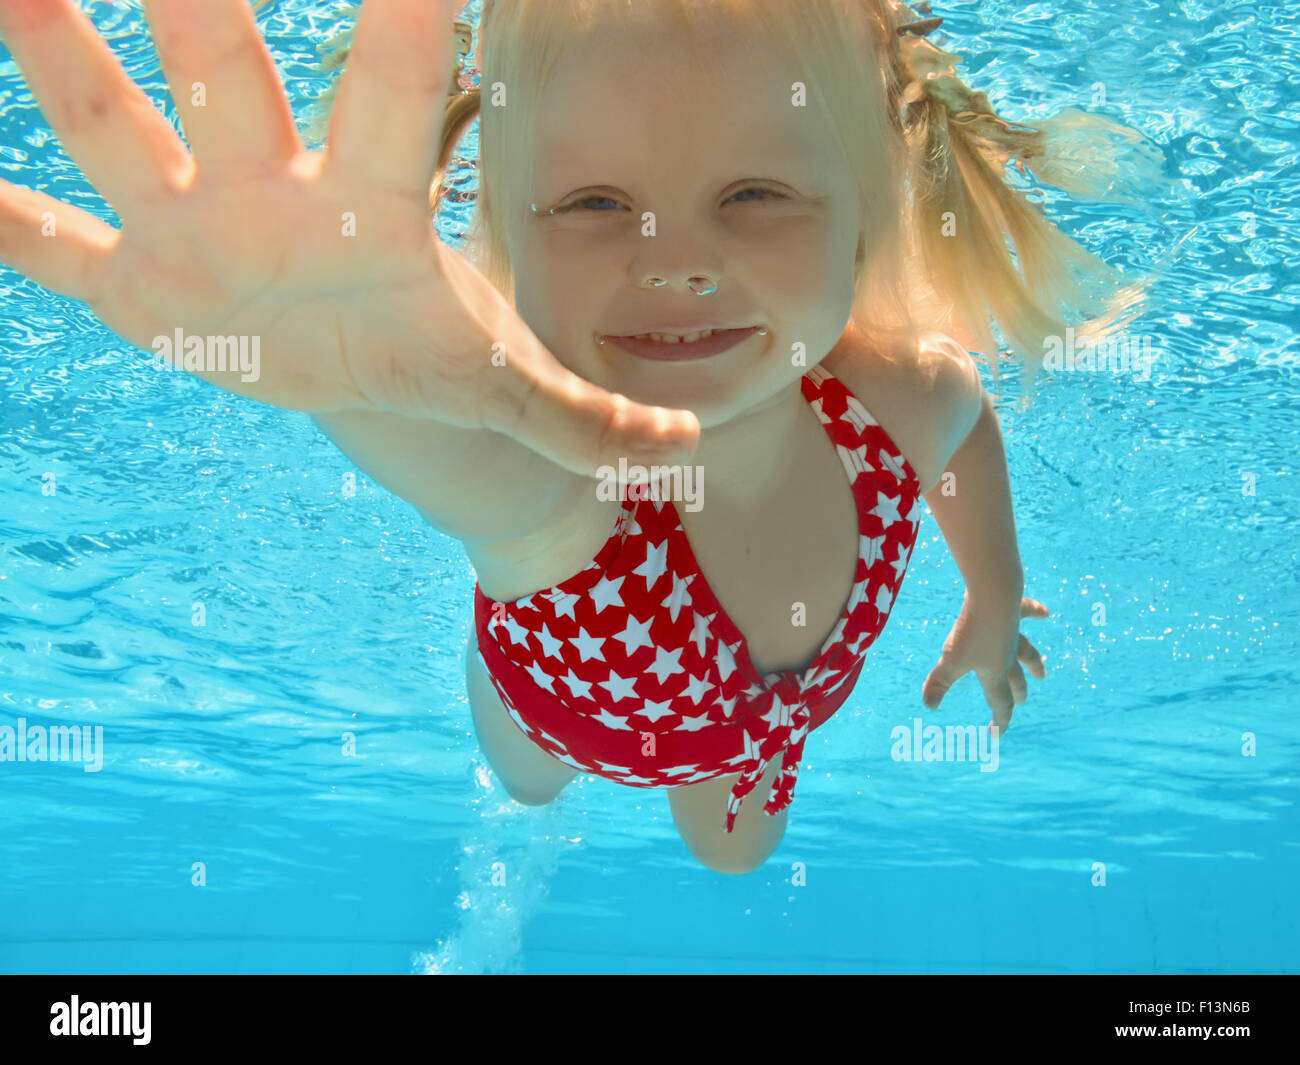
[936, 253]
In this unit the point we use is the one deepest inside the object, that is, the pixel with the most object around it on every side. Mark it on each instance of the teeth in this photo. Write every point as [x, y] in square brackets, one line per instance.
[673, 338]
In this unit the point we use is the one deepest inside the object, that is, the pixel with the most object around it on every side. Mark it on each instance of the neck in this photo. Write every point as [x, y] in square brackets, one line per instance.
[745, 454]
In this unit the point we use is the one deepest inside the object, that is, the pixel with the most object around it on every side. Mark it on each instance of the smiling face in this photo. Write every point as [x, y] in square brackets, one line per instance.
[746, 189]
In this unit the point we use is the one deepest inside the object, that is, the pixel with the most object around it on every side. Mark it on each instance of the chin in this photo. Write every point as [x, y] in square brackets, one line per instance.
[712, 397]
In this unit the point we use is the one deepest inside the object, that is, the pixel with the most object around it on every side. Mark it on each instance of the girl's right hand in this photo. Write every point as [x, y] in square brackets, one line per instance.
[329, 258]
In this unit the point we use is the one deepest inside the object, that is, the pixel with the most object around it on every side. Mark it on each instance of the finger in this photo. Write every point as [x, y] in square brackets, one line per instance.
[1028, 654]
[1032, 608]
[997, 693]
[53, 243]
[224, 83]
[110, 128]
[937, 684]
[387, 116]
[1018, 685]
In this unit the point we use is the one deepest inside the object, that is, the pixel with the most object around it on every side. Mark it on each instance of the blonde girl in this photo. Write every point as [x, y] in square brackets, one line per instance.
[753, 236]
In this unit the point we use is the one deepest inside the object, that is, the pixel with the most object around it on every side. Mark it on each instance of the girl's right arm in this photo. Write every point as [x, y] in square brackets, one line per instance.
[363, 317]
[474, 485]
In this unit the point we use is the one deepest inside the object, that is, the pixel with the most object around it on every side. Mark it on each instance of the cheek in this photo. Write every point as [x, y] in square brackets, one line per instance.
[804, 262]
[559, 281]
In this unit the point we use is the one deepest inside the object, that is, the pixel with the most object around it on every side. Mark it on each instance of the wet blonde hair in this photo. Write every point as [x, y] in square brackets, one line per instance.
[936, 252]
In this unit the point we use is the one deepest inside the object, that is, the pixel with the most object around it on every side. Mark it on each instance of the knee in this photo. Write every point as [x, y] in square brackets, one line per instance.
[733, 864]
[533, 800]
[531, 796]
[733, 854]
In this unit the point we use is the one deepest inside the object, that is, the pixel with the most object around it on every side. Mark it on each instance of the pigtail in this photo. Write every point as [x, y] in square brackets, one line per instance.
[964, 213]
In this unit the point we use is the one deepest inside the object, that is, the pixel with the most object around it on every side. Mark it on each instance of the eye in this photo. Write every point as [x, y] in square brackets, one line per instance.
[754, 194]
[582, 204]
[770, 193]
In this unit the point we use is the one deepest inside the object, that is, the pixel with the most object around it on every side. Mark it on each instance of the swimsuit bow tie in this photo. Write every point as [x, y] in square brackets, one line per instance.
[781, 729]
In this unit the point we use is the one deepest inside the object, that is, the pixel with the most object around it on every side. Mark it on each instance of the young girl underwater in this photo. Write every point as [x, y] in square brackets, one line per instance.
[752, 238]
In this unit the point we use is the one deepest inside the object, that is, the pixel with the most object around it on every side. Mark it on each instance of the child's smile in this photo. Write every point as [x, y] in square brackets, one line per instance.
[666, 346]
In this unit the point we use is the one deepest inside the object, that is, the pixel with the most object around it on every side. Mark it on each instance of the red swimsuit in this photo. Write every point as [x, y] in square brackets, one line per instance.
[632, 671]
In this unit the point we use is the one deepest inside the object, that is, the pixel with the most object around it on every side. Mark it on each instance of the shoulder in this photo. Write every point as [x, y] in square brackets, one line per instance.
[955, 383]
[926, 394]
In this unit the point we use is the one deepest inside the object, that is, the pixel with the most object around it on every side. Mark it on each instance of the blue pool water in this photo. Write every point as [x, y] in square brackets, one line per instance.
[1156, 520]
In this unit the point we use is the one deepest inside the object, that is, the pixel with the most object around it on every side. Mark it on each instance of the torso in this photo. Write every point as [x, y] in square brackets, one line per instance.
[761, 561]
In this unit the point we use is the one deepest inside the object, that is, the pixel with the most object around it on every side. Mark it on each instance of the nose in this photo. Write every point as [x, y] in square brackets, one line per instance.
[700, 284]
[677, 265]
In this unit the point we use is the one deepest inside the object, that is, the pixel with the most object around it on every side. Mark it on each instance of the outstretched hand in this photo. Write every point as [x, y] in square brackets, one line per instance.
[328, 258]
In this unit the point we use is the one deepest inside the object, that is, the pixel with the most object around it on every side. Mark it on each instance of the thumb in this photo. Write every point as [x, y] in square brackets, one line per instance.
[531, 396]
[936, 686]
[578, 425]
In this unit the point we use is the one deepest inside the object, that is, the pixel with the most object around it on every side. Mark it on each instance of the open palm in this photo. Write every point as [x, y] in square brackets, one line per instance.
[329, 258]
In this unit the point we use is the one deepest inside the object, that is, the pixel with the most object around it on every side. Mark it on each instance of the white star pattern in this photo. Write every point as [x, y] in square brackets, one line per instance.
[666, 663]
[678, 597]
[605, 593]
[857, 415]
[619, 687]
[703, 774]
[635, 635]
[518, 634]
[564, 605]
[550, 645]
[884, 598]
[836, 635]
[700, 632]
[900, 564]
[654, 711]
[886, 509]
[577, 685]
[778, 716]
[540, 675]
[712, 714]
[588, 646]
[696, 688]
[550, 739]
[893, 463]
[613, 721]
[726, 661]
[854, 460]
[654, 566]
[871, 549]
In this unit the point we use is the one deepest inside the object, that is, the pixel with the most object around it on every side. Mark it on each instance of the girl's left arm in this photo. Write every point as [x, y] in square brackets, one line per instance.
[972, 504]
